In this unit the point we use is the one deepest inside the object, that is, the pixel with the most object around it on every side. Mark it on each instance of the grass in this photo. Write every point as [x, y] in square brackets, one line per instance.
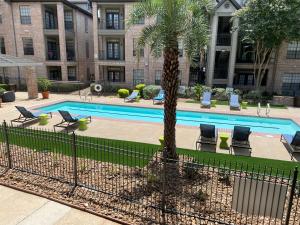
[249, 104]
[133, 153]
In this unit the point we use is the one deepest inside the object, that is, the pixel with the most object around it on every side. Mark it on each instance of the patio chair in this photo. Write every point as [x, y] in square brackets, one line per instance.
[240, 139]
[206, 99]
[69, 120]
[234, 102]
[133, 97]
[293, 142]
[160, 98]
[27, 116]
[208, 135]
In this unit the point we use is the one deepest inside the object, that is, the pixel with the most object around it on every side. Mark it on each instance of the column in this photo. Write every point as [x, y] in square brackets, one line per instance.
[62, 40]
[31, 82]
[232, 59]
[212, 52]
[96, 41]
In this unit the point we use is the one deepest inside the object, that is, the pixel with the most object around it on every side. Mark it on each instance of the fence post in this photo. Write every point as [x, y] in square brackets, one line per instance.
[290, 203]
[74, 159]
[163, 198]
[7, 145]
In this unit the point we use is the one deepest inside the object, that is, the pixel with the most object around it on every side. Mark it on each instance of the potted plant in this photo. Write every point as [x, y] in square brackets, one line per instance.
[44, 85]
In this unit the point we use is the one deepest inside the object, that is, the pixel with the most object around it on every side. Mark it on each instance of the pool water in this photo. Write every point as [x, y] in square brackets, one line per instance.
[225, 121]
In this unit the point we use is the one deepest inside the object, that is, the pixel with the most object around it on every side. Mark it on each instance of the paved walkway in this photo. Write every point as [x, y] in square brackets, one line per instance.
[19, 208]
[263, 145]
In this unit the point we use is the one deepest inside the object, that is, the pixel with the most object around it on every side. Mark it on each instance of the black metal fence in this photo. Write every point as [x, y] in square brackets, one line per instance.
[141, 182]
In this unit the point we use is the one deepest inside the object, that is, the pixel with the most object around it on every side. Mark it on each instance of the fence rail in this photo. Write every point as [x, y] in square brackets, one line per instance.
[143, 183]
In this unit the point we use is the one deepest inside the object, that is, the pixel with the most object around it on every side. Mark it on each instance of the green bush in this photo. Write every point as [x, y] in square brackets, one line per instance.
[66, 87]
[140, 87]
[198, 91]
[2, 90]
[4, 86]
[220, 94]
[151, 91]
[123, 93]
[44, 84]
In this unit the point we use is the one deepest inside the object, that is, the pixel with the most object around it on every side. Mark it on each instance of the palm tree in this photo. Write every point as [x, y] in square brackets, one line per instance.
[175, 20]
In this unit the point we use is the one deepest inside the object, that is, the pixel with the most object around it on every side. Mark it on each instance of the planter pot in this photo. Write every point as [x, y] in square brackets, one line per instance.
[45, 94]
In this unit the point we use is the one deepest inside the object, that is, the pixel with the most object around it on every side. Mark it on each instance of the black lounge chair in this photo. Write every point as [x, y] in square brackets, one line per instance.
[293, 142]
[208, 135]
[26, 116]
[240, 138]
[69, 120]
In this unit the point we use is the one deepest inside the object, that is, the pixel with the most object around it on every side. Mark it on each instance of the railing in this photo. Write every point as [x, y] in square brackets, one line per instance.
[103, 55]
[141, 182]
[71, 55]
[224, 39]
[53, 55]
[111, 25]
[69, 26]
[49, 26]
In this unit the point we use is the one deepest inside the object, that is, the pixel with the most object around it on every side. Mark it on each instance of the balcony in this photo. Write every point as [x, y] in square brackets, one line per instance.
[224, 39]
[71, 55]
[53, 55]
[69, 25]
[107, 27]
[110, 60]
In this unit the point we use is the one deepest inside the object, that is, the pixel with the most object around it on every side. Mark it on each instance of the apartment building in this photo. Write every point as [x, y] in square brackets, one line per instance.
[115, 53]
[56, 33]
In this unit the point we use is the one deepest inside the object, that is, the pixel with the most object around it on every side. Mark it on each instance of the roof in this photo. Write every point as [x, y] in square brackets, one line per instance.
[70, 4]
[233, 2]
[13, 61]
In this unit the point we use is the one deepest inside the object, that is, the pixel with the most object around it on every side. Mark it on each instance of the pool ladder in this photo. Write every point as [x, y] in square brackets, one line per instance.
[259, 109]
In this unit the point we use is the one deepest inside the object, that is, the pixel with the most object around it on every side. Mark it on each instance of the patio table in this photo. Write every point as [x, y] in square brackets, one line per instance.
[224, 138]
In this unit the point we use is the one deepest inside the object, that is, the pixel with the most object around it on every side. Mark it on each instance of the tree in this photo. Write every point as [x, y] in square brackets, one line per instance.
[174, 21]
[266, 24]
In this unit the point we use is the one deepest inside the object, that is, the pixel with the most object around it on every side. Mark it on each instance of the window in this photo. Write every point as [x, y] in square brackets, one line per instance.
[291, 84]
[293, 51]
[135, 48]
[158, 74]
[28, 46]
[25, 16]
[0, 19]
[113, 49]
[113, 19]
[138, 76]
[54, 73]
[72, 73]
[70, 48]
[141, 21]
[86, 25]
[115, 74]
[50, 20]
[68, 20]
[180, 48]
[2, 46]
[87, 49]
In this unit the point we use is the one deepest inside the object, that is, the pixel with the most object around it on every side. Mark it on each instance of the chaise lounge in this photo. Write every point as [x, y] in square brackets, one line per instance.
[160, 98]
[69, 120]
[293, 142]
[240, 138]
[206, 100]
[27, 116]
[133, 97]
[208, 135]
[234, 102]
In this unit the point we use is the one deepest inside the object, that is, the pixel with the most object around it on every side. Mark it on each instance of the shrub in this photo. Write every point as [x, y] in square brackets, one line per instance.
[201, 196]
[151, 91]
[44, 84]
[2, 90]
[198, 91]
[238, 92]
[140, 87]
[181, 92]
[253, 95]
[190, 169]
[123, 93]
[220, 94]
[4, 86]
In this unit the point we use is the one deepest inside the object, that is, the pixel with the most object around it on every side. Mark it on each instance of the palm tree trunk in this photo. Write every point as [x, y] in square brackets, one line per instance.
[170, 85]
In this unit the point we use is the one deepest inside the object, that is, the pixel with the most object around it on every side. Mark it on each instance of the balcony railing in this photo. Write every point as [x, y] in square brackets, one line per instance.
[50, 26]
[53, 55]
[221, 73]
[224, 39]
[71, 55]
[111, 25]
[69, 25]
[103, 55]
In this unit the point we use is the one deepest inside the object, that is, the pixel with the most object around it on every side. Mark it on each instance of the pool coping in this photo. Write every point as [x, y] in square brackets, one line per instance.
[36, 107]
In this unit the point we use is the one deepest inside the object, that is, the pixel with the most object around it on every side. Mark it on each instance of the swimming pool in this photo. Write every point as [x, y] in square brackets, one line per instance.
[257, 124]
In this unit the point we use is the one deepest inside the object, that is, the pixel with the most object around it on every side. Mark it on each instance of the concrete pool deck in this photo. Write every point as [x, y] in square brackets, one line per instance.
[264, 145]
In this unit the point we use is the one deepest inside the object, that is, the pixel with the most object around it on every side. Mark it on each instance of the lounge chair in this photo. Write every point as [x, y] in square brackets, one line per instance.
[240, 138]
[234, 102]
[27, 116]
[208, 135]
[69, 120]
[160, 98]
[206, 99]
[293, 142]
[133, 97]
